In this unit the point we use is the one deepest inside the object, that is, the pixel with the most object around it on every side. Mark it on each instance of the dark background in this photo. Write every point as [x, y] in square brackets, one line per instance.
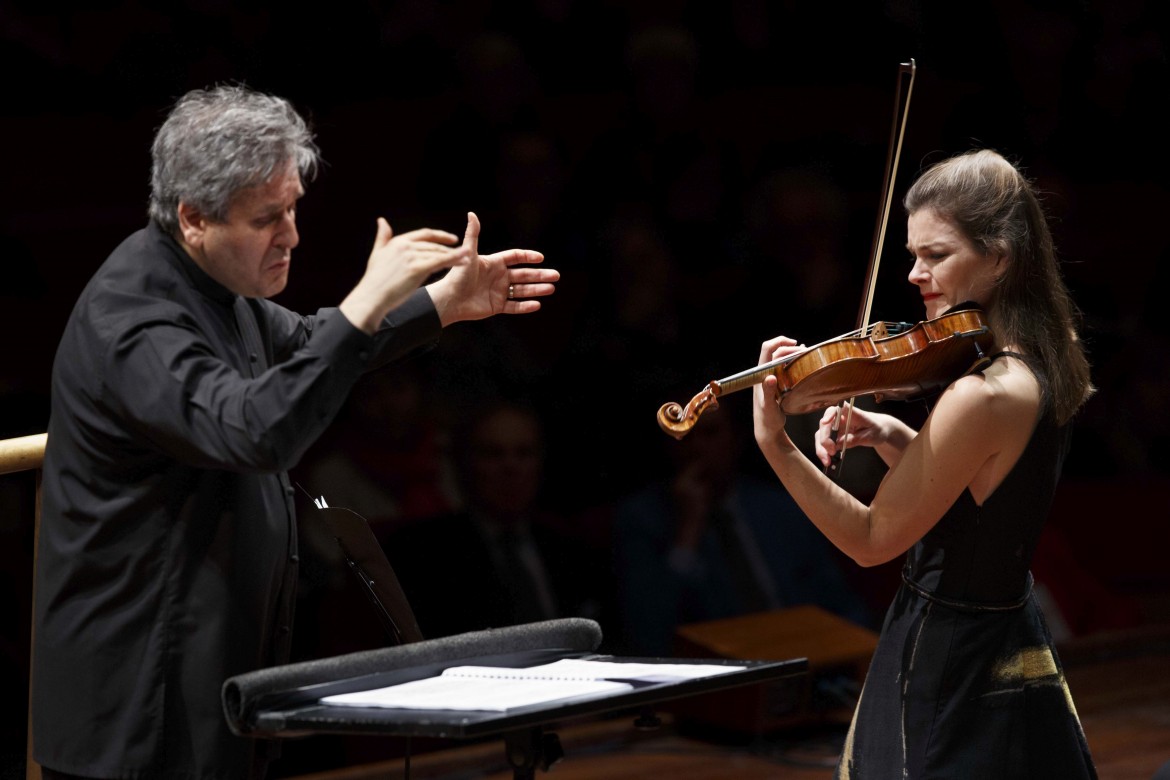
[704, 176]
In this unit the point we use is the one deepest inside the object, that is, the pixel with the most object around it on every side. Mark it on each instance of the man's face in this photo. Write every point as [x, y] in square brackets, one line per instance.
[505, 464]
[249, 253]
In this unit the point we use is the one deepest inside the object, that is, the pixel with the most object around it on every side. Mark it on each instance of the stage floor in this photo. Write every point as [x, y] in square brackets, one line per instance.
[1120, 682]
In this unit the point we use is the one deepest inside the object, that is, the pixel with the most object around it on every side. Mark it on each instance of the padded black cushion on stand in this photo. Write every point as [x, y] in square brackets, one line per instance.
[245, 694]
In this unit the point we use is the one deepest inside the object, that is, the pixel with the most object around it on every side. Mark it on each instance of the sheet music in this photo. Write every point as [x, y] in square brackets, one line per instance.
[499, 689]
[576, 667]
[496, 694]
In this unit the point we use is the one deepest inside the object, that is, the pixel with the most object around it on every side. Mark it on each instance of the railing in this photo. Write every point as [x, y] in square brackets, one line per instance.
[27, 453]
[24, 453]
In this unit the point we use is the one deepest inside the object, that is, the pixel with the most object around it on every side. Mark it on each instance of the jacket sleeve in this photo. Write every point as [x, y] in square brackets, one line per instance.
[171, 383]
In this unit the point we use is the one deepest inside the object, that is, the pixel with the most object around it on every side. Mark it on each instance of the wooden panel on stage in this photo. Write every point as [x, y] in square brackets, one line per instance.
[835, 648]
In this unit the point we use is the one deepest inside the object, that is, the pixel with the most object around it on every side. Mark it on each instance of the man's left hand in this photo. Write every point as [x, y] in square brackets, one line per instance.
[491, 284]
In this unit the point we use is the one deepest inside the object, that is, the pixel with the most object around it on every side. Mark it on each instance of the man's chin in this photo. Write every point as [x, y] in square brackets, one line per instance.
[276, 286]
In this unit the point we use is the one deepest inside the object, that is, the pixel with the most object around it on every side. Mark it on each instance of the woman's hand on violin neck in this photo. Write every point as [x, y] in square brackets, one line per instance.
[768, 418]
[774, 349]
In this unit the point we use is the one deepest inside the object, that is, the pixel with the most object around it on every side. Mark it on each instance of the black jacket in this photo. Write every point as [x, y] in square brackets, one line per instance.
[167, 558]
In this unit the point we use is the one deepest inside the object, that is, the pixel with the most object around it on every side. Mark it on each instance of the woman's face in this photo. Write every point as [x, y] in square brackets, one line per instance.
[948, 269]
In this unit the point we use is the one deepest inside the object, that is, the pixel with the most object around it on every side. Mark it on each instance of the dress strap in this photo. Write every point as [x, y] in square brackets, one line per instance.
[1008, 353]
[982, 364]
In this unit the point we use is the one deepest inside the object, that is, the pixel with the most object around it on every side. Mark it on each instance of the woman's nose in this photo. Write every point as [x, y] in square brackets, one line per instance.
[917, 272]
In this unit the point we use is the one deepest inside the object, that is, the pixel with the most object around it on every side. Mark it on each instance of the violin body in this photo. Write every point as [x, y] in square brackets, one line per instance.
[913, 363]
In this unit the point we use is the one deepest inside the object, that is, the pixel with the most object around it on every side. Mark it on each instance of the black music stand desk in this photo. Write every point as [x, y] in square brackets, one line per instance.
[284, 701]
[295, 711]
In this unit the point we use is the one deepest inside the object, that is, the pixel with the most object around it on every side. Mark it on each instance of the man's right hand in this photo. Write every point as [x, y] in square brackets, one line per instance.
[398, 266]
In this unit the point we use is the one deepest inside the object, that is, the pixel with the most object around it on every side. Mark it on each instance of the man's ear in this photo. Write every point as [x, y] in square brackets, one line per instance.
[192, 224]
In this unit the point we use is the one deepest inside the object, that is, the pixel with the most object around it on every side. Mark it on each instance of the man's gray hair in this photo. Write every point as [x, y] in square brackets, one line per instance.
[216, 142]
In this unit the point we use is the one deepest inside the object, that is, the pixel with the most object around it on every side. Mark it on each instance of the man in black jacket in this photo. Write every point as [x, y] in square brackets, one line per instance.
[180, 397]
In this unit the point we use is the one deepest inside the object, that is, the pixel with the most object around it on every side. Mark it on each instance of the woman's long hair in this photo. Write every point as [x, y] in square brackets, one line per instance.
[996, 207]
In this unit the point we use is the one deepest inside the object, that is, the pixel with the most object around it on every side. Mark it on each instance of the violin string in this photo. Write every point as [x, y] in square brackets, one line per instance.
[763, 369]
[755, 375]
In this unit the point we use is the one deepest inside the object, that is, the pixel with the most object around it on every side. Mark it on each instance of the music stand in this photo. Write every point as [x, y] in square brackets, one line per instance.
[365, 558]
[284, 701]
[295, 710]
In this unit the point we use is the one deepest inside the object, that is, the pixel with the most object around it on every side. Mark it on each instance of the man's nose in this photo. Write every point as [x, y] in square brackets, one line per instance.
[288, 237]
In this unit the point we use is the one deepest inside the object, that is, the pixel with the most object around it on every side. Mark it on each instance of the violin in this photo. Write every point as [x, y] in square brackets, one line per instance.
[900, 361]
[886, 360]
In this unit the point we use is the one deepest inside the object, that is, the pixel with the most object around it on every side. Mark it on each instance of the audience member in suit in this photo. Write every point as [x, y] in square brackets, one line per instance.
[500, 559]
[711, 540]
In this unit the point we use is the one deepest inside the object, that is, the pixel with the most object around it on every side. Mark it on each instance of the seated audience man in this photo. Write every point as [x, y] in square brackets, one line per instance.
[501, 559]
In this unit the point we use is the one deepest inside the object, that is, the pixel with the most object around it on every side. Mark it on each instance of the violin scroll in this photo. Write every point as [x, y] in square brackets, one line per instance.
[678, 420]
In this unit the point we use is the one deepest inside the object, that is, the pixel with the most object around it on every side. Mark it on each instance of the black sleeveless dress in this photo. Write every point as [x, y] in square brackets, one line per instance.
[965, 681]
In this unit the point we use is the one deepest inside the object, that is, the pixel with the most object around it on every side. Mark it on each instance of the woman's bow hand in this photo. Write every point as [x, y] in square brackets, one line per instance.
[857, 428]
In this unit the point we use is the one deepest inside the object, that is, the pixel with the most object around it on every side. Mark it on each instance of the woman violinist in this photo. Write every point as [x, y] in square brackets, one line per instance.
[965, 681]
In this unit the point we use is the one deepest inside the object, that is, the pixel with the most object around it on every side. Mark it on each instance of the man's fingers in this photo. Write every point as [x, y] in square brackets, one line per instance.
[511, 257]
[384, 234]
[531, 290]
[471, 235]
[431, 235]
[526, 306]
[533, 275]
[436, 261]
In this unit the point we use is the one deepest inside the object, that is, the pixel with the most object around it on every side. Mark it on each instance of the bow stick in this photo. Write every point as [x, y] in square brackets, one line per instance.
[893, 155]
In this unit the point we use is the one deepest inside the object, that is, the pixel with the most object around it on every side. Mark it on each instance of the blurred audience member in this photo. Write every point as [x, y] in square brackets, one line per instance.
[713, 541]
[797, 228]
[629, 352]
[501, 559]
[497, 92]
[385, 459]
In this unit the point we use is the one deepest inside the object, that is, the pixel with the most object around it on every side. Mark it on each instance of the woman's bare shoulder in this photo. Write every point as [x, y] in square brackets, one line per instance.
[1004, 396]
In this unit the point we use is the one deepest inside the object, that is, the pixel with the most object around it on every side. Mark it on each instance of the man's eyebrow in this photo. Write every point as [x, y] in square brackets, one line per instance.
[277, 206]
